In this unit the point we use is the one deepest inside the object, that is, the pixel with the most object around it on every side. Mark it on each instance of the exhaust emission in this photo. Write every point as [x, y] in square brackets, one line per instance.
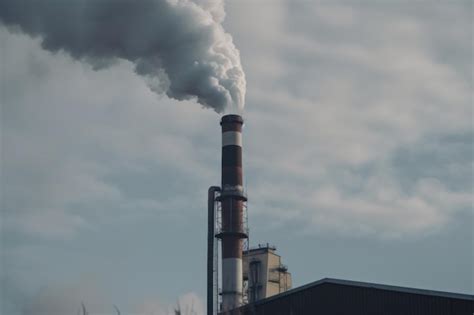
[178, 46]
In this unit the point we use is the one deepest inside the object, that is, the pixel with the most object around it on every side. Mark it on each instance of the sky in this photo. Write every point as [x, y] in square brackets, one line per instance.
[357, 159]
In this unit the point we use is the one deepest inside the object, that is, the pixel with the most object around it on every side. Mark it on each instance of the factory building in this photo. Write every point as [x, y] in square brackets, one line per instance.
[341, 297]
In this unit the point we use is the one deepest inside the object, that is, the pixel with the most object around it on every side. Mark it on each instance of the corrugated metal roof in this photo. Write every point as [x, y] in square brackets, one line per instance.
[370, 285]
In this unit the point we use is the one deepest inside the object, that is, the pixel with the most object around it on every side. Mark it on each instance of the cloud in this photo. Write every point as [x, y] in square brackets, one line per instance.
[83, 150]
[349, 93]
[354, 90]
[67, 152]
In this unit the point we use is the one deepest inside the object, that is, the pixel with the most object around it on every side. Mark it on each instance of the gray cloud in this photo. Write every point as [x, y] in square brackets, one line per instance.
[76, 168]
[356, 138]
[179, 47]
[356, 89]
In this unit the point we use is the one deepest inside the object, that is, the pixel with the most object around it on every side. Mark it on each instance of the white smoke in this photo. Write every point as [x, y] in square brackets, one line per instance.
[178, 46]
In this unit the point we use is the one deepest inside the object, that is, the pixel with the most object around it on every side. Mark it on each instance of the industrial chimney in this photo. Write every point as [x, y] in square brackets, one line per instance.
[232, 199]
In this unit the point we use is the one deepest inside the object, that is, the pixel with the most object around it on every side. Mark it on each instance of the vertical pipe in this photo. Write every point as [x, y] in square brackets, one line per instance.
[232, 202]
[211, 219]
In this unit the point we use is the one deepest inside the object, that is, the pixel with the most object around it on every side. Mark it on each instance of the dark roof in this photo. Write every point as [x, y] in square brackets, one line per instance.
[371, 285]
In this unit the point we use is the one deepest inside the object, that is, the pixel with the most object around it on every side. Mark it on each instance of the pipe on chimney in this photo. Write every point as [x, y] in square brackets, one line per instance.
[211, 263]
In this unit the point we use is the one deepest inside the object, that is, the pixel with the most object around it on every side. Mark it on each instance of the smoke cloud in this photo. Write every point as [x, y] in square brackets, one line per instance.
[178, 46]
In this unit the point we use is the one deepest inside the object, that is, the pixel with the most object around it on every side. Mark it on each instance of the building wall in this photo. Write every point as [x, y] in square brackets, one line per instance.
[273, 277]
[271, 280]
[335, 299]
[261, 257]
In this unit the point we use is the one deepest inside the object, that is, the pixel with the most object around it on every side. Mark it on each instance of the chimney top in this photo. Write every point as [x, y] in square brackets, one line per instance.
[232, 118]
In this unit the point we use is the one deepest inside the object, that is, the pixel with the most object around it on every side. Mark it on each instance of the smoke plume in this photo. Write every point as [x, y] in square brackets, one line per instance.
[178, 46]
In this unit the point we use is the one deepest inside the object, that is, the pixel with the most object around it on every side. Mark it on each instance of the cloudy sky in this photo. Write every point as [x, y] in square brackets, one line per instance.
[357, 155]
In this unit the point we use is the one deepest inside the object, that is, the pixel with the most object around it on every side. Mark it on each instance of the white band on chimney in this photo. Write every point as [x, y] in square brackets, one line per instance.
[231, 283]
[232, 275]
[231, 138]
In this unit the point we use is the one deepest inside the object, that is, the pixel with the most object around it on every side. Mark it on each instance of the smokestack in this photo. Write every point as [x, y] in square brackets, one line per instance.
[232, 203]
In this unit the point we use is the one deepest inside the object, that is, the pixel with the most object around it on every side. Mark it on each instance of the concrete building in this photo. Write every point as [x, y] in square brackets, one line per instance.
[263, 273]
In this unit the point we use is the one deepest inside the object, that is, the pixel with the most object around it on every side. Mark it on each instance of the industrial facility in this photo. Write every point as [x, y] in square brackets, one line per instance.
[244, 280]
